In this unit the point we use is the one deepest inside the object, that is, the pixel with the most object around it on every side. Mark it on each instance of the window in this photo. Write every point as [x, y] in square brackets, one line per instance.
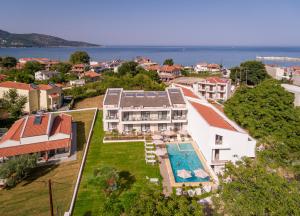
[162, 127]
[219, 140]
[125, 116]
[162, 115]
[112, 126]
[177, 126]
[145, 116]
[128, 127]
[145, 127]
[217, 155]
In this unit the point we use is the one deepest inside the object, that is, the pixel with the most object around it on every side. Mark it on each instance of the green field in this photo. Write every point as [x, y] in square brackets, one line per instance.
[30, 197]
[122, 156]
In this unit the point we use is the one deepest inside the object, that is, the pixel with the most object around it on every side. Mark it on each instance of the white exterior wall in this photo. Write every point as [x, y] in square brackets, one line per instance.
[234, 146]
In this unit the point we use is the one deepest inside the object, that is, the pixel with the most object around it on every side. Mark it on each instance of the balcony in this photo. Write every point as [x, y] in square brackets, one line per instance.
[143, 118]
[183, 117]
[111, 117]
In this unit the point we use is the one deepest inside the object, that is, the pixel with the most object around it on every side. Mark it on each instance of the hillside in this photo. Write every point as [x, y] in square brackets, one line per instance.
[8, 39]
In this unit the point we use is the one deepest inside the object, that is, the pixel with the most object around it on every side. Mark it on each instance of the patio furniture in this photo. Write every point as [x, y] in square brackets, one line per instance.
[198, 191]
[158, 142]
[184, 174]
[154, 180]
[178, 191]
[150, 156]
[207, 188]
[150, 161]
[157, 137]
[200, 173]
[191, 193]
[169, 133]
[149, 152]
[149, 147]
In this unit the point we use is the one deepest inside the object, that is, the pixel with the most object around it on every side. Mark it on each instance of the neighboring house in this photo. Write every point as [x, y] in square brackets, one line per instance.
[219, 139]
[47, 135]
[45, 75]
[91, 75]
[212, 88]
[78, 82]
[144, 111]
[39, 97]
[78, 69]
[205, 67]
[168, 73]
[276, 72]
[295, 90]
[47, 63]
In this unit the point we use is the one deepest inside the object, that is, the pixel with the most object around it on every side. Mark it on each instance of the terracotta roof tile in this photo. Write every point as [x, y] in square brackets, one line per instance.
[36, 147]
[16, 85]
[212, 117]
[61, 124]
[32, 129]
[91, 74]
[187, 92]
[14, 132]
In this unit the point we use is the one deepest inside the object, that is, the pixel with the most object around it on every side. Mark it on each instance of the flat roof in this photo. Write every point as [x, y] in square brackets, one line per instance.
[176, 96]
[112, 97]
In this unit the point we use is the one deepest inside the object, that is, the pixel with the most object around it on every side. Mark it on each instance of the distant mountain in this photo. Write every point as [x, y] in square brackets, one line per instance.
[8, 39]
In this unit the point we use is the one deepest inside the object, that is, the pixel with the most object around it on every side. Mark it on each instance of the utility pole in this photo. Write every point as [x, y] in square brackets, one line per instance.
[50, 197]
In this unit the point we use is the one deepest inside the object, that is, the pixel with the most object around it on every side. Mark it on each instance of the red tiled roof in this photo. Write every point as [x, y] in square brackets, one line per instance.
[45, 86]
[16, 85]
[152, 68]
[187, 92]
[216, 80]
[32, 129]
[36, 147]
[14, 132]
[54, 95]
[212, 117]
[91, 74]
[168, 68]
[61, 124]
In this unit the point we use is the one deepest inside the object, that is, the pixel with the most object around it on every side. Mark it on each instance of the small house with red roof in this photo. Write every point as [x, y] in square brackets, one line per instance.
[92, 75]
[47, 135]
[39, 97]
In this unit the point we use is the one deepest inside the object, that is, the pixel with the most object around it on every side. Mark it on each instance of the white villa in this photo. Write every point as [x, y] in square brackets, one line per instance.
[141, 111]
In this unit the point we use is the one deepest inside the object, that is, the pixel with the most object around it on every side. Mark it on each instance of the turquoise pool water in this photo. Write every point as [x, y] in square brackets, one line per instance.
[183, 156]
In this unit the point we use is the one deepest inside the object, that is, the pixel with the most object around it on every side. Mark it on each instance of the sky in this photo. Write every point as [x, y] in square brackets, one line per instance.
[158, 22]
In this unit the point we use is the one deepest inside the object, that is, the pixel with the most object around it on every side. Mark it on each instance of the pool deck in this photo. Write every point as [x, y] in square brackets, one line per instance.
[166, 170]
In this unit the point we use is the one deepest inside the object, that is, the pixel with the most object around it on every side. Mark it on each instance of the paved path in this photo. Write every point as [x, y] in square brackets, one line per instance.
[167, 189]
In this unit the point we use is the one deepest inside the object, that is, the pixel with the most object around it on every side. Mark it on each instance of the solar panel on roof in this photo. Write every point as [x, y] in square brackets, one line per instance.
[174, 90]
[140, 94]
[151, 94]
[129, 94]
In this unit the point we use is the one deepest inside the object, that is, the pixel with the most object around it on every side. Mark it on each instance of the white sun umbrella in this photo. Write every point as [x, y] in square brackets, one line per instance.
[169, 133]
[158, 142]
[184, 173]
[161, 152]
[157, 137]
[200, 173]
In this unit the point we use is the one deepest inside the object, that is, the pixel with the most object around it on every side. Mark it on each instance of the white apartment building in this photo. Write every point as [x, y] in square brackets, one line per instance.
[212, 88]
[45, 75]
[144, 111]
[205, 67]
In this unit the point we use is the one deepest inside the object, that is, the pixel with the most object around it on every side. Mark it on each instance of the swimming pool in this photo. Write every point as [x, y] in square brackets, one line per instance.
[183, 156]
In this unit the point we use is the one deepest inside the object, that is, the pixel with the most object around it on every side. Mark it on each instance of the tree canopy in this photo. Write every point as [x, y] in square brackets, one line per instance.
[248, 188]
[249, 72]
[79, 57]
[62, 67]
[128, 68]
[168, 62]
[18, 168]
[14, 103]
[32, 67]
[8, 62]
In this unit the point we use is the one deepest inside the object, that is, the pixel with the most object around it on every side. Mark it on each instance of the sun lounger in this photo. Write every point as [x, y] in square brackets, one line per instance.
[150, 156]
[154, 180]
[149, 147]
[198, 191]
[191, 193]
[150, 161]
[149, 152]
[178, 191]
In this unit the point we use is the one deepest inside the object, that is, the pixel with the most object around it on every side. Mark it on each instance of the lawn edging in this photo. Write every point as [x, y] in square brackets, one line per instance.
[68, 213]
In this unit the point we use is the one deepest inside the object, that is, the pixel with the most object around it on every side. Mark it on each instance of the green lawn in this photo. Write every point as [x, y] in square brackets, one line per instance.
[122, 156]
[30, 197]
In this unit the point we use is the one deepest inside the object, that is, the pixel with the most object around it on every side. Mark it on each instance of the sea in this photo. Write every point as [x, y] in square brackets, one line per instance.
[228, 56]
